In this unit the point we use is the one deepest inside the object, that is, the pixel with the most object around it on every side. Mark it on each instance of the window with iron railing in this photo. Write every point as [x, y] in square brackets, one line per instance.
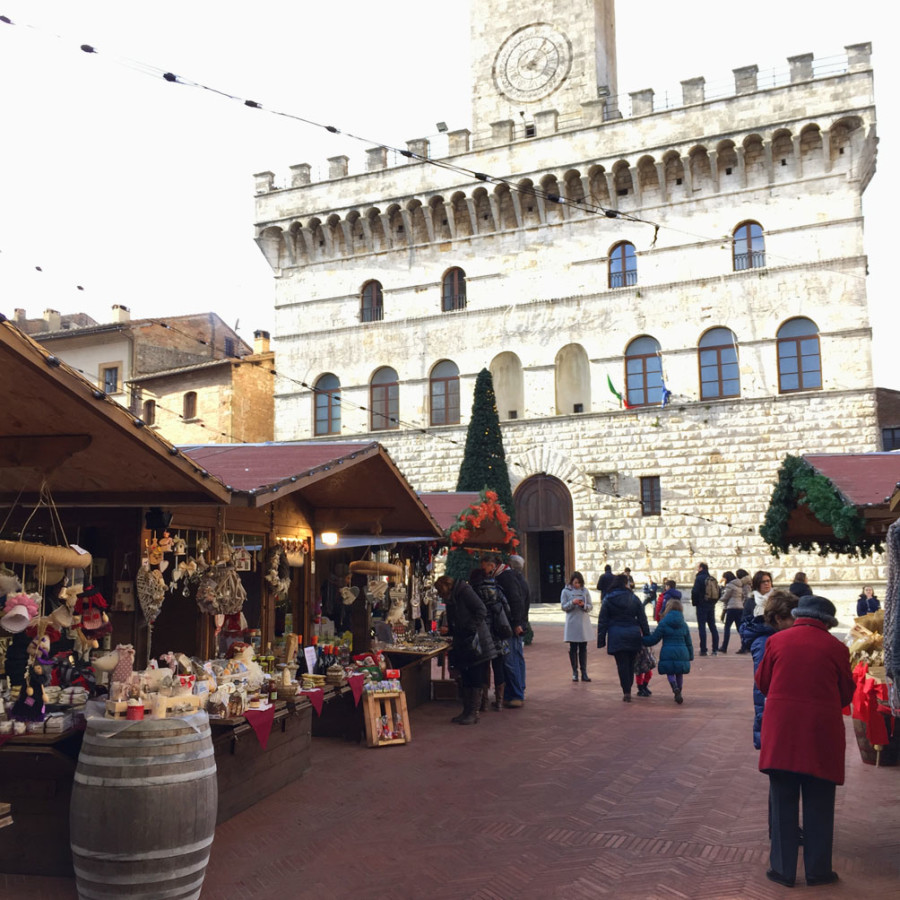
[622, 266]
[453, 291]
[749, 247]
[372, 303]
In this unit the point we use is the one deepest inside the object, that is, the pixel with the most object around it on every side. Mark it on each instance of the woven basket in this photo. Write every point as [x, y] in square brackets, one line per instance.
[369, 567]
[37, 554]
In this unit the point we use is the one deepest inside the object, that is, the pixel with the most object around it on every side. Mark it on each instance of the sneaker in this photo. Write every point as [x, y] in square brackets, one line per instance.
[703, 653]
[514, 704]
[722, 650]
[678, 698]
[772, 875]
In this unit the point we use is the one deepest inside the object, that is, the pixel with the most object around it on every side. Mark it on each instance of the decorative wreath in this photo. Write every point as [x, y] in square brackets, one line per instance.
[480, 520]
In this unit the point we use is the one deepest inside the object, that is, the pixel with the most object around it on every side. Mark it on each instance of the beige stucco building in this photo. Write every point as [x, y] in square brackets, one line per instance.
[704, 260]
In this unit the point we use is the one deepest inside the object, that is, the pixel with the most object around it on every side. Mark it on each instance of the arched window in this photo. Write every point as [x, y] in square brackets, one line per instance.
[327, 405]
[190, 405]
[643, 372]
[718, 360]
[453, 292]
[622, 266]
[749, 247]
[384, 400]
[372, 302]
[444, 390]
[149, 416]
[799, 357]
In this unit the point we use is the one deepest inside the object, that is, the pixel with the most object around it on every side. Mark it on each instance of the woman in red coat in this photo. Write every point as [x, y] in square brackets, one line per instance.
[805, 676]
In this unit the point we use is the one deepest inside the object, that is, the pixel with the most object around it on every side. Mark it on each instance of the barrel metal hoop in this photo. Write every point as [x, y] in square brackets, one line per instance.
[150, 779]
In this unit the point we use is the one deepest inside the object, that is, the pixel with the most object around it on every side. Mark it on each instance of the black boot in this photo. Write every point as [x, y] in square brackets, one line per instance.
[582, 659]
[467, 705]
[473, 716]
[573, 660]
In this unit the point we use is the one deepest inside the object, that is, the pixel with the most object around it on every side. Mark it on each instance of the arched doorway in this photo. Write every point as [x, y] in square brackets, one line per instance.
[544, 519]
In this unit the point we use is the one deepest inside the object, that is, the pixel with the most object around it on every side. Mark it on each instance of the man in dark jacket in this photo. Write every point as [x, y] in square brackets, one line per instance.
[514, 661]
[706, 610]
[605, 581]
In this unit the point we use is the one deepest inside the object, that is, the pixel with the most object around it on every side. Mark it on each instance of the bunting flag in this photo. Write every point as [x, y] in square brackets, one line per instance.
[613, 391]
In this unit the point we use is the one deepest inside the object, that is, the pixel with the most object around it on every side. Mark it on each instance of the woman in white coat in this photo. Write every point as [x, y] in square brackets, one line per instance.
[576, 601]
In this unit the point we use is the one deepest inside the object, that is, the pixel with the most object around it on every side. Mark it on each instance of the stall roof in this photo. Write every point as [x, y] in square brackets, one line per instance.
[57, 427]
[446, 506]
[350, 488]
[865, 479]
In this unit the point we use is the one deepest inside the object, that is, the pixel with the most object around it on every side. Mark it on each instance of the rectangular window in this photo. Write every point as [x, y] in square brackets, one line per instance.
[110, 376]
[890, 438]
[651, 498]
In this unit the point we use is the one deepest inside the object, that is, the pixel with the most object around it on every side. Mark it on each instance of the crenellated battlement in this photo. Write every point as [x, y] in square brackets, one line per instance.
[810, 126]
[605, 112]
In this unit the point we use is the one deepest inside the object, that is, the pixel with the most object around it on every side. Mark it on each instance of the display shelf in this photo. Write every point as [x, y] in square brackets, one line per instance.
[390, 704]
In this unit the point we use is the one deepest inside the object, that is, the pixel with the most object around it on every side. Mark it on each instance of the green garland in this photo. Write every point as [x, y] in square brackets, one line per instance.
[800, 484]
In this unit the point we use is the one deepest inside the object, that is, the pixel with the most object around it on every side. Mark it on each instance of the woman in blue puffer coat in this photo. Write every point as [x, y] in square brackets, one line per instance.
[623, 621]
[677, 649]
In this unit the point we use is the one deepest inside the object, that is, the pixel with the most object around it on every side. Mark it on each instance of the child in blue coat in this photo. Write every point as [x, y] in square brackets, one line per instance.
[677, 649]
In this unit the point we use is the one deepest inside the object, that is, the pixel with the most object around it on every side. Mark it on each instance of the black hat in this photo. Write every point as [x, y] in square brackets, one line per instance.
[812, 607]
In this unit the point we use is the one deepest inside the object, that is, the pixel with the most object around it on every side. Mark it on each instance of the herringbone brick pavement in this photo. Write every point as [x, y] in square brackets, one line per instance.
[576, 795]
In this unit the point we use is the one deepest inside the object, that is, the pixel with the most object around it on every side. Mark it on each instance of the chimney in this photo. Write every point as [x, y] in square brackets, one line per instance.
[120, 313]
[52, 319]
[20, 316]
[260, 342]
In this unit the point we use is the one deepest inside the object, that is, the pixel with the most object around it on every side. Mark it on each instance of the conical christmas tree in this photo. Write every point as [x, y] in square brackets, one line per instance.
[484, 462]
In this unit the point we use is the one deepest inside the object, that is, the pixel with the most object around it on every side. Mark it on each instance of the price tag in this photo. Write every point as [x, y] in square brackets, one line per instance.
[310, 655]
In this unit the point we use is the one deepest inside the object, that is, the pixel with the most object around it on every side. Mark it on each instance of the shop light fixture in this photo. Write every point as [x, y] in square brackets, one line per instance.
[329, 538]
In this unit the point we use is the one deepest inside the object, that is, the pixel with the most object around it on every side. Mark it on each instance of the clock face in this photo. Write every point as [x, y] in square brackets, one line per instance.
[532, 63]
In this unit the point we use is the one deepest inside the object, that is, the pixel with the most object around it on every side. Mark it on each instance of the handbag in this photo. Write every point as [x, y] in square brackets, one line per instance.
[644, 662]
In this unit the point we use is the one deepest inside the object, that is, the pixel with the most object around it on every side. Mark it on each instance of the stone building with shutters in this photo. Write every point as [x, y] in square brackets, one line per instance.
[704, 260]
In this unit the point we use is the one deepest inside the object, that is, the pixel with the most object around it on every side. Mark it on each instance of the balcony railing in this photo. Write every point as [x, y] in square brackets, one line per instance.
[372, 314]
[754, 260]
[623, 279]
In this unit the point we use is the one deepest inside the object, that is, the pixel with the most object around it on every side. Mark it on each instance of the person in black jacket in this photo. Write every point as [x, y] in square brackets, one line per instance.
[605, 581]
[620, 627]
[867, 602]
[512, 582]
[706, 610]
[473, 647]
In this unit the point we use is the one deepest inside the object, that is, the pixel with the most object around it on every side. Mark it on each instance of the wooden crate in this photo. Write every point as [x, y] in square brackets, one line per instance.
[391, 705]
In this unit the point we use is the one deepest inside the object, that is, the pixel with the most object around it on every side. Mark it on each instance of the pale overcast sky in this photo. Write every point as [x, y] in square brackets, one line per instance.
[142, 191]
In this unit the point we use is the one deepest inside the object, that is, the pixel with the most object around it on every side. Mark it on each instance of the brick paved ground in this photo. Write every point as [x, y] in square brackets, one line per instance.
[576, 795]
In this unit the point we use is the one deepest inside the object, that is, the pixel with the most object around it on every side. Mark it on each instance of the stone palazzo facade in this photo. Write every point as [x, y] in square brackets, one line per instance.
[705, 260]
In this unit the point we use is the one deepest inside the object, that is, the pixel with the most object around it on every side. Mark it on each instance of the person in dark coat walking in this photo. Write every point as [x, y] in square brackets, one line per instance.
[867, 602]
[473, 646]
[706, 609]
[621, 625]
[806, 678]
[605, 581]
[677, 649]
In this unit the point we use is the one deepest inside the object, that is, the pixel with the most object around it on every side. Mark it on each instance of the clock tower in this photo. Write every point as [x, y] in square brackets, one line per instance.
[538, 55]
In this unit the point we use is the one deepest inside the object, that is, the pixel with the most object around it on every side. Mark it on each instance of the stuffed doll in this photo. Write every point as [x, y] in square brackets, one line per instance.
[92, 622]
[30, 705]
[125, 665]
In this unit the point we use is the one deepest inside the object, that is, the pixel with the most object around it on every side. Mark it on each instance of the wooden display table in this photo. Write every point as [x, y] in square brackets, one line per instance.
[415, 667]
[36, 776]
[246, 772]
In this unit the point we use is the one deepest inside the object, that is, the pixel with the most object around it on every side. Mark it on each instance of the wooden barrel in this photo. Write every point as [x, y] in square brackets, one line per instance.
[143, 811]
